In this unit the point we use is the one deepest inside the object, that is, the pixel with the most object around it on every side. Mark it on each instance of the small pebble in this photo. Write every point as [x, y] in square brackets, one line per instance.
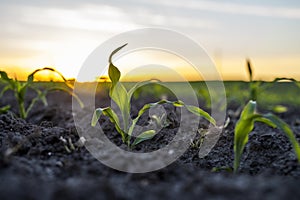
[171, 151]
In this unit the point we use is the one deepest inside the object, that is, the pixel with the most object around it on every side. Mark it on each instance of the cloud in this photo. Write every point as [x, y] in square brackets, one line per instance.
[233, 8]
[91, 18]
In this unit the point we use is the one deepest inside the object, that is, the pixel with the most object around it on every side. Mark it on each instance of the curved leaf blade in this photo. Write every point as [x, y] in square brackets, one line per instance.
[141, 112]
[248, 110]
[201, 113]
[70, 92]
[147, 135]
[241, 136]
[246, 124]
[287, 130]
[115, 51]
[261, 118]
[241, 131]
[112, 117]
[193, 109]
[119, 95]
[6, 88]
[136, 86]
[113, 72]
[4, 109]
[4, 76]
[118, 92]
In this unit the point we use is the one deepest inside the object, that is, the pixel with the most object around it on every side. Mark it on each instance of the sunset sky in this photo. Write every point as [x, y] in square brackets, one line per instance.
[62, 34]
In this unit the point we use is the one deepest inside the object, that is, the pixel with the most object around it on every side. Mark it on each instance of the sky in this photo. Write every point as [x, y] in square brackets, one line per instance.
[62, 33]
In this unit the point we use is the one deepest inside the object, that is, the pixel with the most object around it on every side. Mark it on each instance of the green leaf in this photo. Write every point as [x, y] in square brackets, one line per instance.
[115, 51]
[70, 92]
[4, 109]
[136, 86]
[6, 79]
[283, 79]
[33, 102]
[241, 135]
[119, 95]
[248, 110]
[42, 95]
[141, 112]
[122, 97]
[287, 130]
[43, 98]
[112, 117]
[193, 109]
[198, 111]
[242, 129]
[118, 92]
[22, 91]
[246, 124]
[147, 135]
[4, 76]
[6, 88]
[264, 120]
[270, 84]
[30, 78]
[150, 105]
[179, 104]
[113, 72]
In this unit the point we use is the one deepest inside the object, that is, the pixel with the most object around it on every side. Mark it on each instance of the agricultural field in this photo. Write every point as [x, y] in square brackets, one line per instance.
[43, 157]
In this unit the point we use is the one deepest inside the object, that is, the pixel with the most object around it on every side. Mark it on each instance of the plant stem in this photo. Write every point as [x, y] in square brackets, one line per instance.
[22, 110]
[236, 163]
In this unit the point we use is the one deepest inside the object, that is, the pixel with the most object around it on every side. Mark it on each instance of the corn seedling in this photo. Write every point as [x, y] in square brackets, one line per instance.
[20, 88]
[257, 86]
[68, 144]
[122, 97]
[246, 124]
[198, 143]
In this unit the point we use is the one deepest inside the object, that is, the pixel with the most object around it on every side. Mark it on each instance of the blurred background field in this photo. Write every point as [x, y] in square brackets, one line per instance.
[237, 92]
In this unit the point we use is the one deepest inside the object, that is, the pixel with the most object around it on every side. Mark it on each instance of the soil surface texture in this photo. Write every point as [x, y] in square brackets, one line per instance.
[43, 158]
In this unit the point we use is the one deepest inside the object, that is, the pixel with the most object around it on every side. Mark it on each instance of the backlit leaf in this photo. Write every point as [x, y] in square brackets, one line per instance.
[246, 124]
[113, 117]
[287, 130]
[113, 72]
[147, 135]
[199, 112]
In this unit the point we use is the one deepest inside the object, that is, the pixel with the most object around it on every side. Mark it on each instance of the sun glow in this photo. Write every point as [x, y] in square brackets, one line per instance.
[136, 67]
[40, 35]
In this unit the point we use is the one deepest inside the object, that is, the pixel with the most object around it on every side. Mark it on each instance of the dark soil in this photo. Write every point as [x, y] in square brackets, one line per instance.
[36, 163]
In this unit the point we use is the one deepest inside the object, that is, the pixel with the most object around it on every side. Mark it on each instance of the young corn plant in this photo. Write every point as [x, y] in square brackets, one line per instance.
[246, 124]
[256, 86]
[20, 89]
[122, 97]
